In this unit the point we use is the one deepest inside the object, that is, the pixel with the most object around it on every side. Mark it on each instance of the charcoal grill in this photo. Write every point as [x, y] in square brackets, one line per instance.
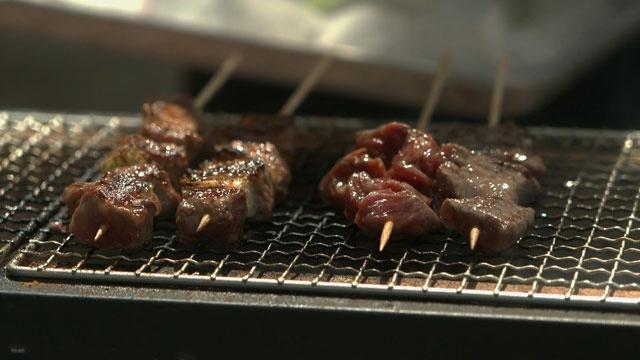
[584, 249]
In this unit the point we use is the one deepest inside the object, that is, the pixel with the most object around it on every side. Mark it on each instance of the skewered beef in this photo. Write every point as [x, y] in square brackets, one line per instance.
[371, 202]
[467, 174]
[409, 154]
[173, 121]
[334, 186]
[227, 193]
[384, 141]
[226, 207]
[264, 151]
[497, 180]
[137, 150]
[534, 164]
[117, 211]
[249, 176]
[124, 203]
[238, 184]
[502, 222]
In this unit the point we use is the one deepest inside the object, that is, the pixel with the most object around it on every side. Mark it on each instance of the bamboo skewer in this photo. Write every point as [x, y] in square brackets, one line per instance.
[305, 86]
[423, 120]
[498, 93]
[434, 93]
[204, 221]
[219, 78]
[101, 231]
[294, 101]
[386, 234]
[473, 237]
[495, 111]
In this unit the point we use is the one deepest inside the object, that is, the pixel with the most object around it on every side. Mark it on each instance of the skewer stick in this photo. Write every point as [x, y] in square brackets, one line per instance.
[386, 233]
[305, 86]
[424, 119]
[224, 72]
[101, 231]
[498, 92]
[288, 108]
[434, 93]
[473, 237]
[204, 221]
[494, 119]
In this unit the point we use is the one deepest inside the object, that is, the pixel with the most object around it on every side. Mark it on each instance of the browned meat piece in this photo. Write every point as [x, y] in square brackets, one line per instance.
[249, 176]
[226, 208]
[173, 121]
[501, 221]
[276, 129]
[123, 203]
[73, 193]
[137, 150]
[384, 141]
[370, 202]
[333, 185]
[267, 153]
[466, 174]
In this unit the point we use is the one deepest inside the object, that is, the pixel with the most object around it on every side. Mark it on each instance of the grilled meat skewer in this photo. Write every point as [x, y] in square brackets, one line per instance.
[266, 152]
[117, 211]
[239, 184]
[138, 150]
[499, 182]
[123, 204]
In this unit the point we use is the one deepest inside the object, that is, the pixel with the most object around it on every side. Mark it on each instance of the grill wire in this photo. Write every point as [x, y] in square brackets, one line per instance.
[585, 246]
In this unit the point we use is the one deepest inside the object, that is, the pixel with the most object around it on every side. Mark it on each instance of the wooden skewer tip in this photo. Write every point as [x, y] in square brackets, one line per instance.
[100, 233]
[386, 234]
[473, 237]
[204, 221]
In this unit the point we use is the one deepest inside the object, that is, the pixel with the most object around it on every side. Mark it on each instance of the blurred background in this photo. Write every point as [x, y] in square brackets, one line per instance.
[571, 63]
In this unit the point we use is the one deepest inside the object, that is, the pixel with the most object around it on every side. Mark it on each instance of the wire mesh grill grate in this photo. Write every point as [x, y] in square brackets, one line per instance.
[585, 245]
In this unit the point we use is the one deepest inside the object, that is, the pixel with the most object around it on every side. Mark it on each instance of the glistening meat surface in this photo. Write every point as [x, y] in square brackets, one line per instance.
[502, 222]
[124, 203]
[370, 202]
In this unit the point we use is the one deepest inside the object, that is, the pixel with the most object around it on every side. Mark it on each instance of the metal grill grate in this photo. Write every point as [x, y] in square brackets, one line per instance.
[585, 246]
[39, 156]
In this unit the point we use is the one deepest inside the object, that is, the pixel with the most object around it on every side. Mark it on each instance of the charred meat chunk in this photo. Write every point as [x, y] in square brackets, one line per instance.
[123, 203]
[265, 152]
[172, 121]
[502, 222]
[248, 176]
[138, 150]
[226, 208]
